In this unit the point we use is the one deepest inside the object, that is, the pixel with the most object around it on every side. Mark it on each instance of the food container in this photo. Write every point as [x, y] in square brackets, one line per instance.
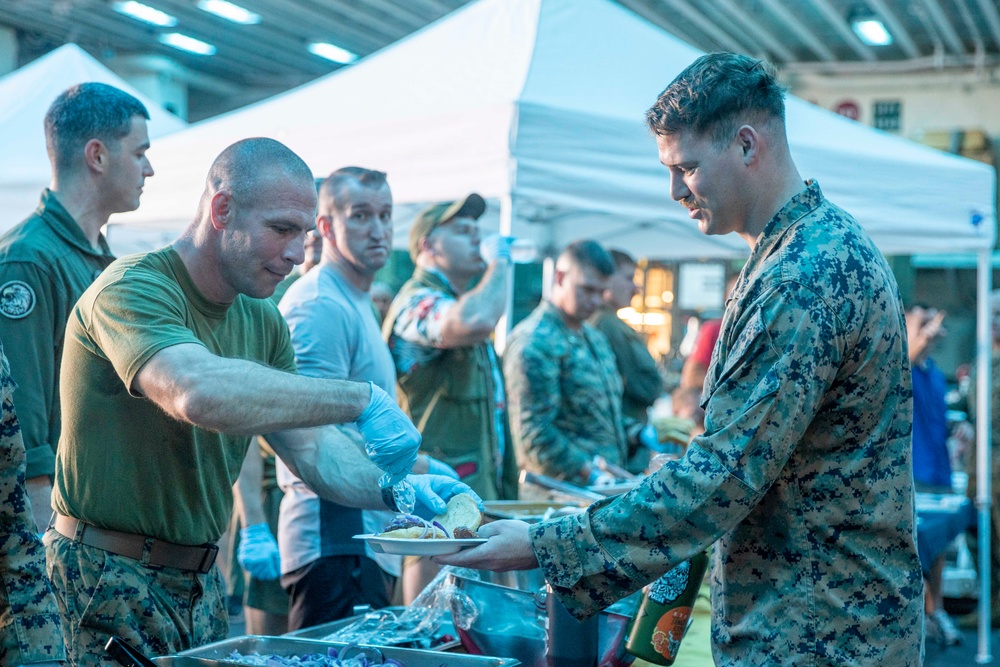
[529, 510]
[287, 646]
[506, 622]
[443, 639]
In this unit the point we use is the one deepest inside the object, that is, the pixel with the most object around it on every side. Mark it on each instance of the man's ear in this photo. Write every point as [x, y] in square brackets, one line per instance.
[324, 226]
[749, 142]
[221, 210]
[95, 154]
[558, 276]
[425, 244]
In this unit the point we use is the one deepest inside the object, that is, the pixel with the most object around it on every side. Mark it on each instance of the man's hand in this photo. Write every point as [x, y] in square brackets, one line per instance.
[434, 491]
[507, 547]
[391, 439]
[258, 552]
[495, 248]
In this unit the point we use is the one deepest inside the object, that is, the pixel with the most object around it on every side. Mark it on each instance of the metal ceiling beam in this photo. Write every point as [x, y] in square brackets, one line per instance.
[693, 37]
[992, 16]
[922, 64]
[943, 23]
[804, 34]
[970, 25]
[757, 31]
[726, 22]
[839, 23]
[896, 28]
[718, 35]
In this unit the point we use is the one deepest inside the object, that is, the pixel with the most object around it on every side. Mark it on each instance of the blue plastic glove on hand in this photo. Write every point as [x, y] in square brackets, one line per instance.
[391, 439]
[496, 247]
[435, 467]
[258, 552]
[434, 491]
[648, 437]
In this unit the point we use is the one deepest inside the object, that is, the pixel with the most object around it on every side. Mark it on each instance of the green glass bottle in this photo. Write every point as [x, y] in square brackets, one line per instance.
[661, 620]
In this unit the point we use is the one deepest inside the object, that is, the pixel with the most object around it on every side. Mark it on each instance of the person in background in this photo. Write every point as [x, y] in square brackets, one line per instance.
[96, 139]
[802, 479]
[696, 365]
[565, 392]
[382, 296]
[172, 359]
[336, 334]
[931, 462]
[640, 377]
[30, 634]
[439, 330]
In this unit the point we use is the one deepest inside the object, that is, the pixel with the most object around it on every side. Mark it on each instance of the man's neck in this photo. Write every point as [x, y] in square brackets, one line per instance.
[82, 205]
[202, 264]
[360, 280]
[459, 284]
[572, 322]
[785, 186]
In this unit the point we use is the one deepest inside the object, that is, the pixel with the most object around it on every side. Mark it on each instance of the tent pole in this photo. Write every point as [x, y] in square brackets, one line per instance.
[506, 229]
[984, 276]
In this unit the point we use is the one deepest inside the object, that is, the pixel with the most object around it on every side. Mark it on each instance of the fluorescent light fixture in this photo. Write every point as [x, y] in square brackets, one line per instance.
[871, 31]
[185, 43]
[229, 11]
[332, 52]
[145, 13]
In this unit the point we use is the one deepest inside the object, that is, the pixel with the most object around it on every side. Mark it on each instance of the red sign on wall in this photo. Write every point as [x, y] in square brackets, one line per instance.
[848, 109]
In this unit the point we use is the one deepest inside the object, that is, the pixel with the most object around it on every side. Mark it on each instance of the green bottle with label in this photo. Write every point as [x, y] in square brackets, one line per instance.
[663, 616]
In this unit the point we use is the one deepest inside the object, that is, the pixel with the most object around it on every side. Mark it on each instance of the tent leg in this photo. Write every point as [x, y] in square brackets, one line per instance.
[504, 325]
[984, 276]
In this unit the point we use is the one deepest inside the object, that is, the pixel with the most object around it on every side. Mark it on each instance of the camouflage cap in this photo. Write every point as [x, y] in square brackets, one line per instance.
[472, 206]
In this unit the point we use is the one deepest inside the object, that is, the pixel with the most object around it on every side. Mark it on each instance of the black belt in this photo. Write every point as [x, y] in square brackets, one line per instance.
[147, 550]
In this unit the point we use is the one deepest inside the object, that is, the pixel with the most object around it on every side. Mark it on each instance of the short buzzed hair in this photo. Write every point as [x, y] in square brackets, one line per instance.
[622, 258]
[331, 191]
[717, 93]
[590, 254]
[241, 167]
[84, 112]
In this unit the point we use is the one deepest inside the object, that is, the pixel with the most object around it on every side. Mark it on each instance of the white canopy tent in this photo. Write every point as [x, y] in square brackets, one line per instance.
[539, 104]
[27, 94]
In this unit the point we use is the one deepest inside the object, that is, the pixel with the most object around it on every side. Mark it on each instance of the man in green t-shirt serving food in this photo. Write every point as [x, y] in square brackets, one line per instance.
[172, 360]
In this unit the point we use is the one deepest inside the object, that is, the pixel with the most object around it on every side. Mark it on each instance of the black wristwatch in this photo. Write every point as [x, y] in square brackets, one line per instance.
[389, 498]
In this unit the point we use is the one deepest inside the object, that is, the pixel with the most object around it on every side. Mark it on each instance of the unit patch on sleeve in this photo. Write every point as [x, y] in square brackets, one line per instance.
[17, 299]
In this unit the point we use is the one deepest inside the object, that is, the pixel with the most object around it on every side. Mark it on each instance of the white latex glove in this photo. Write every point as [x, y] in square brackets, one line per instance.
[434, 491]
[496, 247]
[391, 439]
[258, 552]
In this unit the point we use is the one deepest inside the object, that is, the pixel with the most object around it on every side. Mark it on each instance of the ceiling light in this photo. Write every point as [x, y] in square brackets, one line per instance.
[145, 13]
[229, 11]
[871, 31]
[332, 52]
[189, 44]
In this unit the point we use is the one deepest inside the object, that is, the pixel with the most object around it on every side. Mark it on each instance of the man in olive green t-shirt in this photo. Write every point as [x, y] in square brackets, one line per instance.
[172, 360]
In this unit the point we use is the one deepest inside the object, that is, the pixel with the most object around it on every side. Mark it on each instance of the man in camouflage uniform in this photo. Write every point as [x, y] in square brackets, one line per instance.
[565, 391]
[97, 141]
[803, 474]
[172, 358]
[30, 634]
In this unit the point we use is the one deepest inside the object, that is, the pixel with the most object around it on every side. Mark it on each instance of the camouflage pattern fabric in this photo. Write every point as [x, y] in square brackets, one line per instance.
[803, 474]
[564, 396]
[29, 620]
[158, 610]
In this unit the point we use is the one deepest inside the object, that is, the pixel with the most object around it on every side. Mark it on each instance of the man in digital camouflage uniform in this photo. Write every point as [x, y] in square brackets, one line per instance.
[803, 473]
[173, 359]
[641, 381]
[565, 392]
[96, 138]
[30, 634]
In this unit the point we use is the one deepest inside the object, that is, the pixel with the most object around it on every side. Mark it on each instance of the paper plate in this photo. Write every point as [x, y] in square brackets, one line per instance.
[417, 547]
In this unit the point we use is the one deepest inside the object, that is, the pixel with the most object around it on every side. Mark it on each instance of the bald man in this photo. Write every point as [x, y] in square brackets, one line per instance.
[173, 358]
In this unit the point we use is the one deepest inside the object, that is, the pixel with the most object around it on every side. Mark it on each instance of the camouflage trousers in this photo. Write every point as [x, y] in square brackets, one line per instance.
[159, 610]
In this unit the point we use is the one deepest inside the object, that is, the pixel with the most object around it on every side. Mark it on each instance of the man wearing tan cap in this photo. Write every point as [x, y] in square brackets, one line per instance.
[438, 331]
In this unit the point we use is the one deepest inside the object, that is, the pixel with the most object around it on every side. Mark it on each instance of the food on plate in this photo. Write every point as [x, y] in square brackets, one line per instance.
[460, 521]
[335, 657]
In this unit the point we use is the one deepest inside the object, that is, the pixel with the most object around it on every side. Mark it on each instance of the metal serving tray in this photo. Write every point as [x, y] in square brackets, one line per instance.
[285, 646]
[326, 629]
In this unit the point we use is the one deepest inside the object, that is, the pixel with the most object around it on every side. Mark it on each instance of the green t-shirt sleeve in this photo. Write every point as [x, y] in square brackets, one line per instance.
[128, 321]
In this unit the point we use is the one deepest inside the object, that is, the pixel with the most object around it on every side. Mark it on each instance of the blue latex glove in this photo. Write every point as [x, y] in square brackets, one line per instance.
[258, 552]
[648, 437]
[391, 439]
[434, 491]
[435, 467]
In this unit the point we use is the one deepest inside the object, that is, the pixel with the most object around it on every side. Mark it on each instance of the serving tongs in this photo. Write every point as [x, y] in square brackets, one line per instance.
[127, 655]
[559, 485]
